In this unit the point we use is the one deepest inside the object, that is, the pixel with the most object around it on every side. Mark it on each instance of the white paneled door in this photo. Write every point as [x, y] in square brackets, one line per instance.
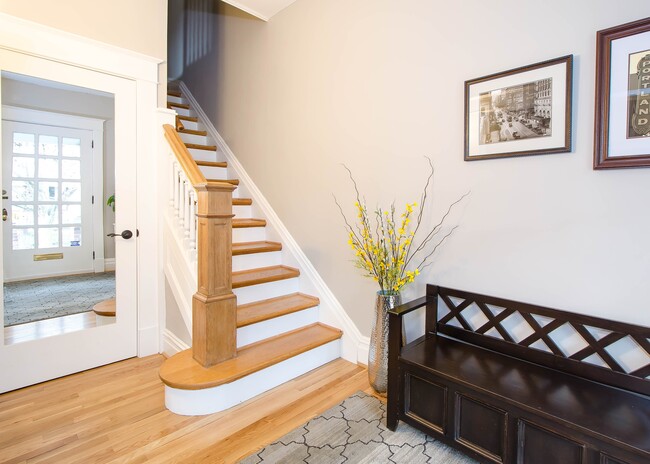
[49, 201]
[48, 197]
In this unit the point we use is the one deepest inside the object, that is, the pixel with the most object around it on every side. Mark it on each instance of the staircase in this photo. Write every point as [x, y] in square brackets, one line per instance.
[278, 333]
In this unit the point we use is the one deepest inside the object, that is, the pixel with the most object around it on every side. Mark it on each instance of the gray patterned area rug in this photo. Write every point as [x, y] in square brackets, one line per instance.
[355, 432]
[35, 300]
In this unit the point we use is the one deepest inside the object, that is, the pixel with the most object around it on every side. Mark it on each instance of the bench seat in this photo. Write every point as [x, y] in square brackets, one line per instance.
[608, 413]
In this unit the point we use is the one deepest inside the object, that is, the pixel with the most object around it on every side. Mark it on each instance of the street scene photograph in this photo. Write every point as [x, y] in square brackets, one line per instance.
[517, 112]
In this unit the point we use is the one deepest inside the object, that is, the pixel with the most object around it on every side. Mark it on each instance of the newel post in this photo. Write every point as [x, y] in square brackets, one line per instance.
[214, 305]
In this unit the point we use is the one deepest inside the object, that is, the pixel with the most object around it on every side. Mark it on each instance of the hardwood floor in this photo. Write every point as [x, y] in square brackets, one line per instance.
[49, 327]
[116, 414]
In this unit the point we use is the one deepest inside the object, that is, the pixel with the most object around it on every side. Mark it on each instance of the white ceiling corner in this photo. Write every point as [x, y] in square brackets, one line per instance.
[263, 9]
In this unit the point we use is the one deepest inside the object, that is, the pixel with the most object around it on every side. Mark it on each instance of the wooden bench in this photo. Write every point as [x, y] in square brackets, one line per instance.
[510, 382]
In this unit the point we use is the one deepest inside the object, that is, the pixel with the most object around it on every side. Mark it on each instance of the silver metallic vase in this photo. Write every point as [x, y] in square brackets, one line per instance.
[378, 353]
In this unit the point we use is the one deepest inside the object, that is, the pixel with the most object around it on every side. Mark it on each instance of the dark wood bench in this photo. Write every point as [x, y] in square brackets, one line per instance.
[511, 382]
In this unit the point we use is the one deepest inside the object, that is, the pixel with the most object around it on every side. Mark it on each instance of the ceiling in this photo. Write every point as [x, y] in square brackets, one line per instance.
[263, 9]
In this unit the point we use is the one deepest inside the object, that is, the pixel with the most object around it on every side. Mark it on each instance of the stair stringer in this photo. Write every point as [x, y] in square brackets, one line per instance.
[354, 345]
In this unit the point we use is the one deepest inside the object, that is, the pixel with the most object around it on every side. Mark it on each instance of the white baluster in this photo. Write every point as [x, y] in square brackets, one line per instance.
[192, 219]
[172, 173]
[175, 188]
[186, 217]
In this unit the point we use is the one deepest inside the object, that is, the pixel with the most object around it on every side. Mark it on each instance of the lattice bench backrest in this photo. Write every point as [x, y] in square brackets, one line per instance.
[602, 350]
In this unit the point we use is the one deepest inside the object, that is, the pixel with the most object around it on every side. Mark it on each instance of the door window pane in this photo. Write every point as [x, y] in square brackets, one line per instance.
[71, 236]
[48, 191]
[22, 215]
[71, 191]
[71, 214]
[48, 168]
[71, 147]
[22, 167]
[23, 143]
[48, 237]
[71, 169]
[48, 145]
[22, 190]
[48, 214]
[23, 239]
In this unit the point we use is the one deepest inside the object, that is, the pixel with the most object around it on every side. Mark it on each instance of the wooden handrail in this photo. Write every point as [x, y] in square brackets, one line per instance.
[192, 171]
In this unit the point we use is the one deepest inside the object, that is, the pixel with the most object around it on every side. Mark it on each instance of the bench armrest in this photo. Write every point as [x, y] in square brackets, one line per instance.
[409, 306]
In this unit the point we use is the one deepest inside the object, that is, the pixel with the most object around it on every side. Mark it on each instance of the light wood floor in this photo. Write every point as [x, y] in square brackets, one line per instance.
[116, 414]
[49, 327]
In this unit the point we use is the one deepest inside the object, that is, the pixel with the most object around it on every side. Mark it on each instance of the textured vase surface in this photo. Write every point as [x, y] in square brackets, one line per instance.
[378, 353]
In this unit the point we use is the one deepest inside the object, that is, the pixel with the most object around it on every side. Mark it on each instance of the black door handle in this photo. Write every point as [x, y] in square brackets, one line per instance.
[126, 234]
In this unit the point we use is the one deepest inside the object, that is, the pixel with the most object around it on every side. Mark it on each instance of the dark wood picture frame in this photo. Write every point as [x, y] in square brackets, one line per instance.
[544, 131]
[603, 156]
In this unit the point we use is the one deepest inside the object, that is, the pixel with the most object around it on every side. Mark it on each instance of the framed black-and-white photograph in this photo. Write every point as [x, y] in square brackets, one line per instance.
[524, 111]
[622, 130]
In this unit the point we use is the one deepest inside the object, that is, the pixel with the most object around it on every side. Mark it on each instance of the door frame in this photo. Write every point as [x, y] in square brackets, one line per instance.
[29, 38]
[96, 127]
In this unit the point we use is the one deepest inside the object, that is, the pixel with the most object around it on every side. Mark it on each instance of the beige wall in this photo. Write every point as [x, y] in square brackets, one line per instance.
[28, 95]
[139, 25]
[378, 85]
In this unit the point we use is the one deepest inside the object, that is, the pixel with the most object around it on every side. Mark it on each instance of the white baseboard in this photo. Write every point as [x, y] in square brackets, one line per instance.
[354, 346]
[109, 264]
[171, 344]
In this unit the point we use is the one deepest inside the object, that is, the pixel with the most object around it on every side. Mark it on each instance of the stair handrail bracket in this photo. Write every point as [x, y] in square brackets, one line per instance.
[202, 210]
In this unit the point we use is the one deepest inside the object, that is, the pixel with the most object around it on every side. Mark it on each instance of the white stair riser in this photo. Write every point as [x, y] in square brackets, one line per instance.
[256, 260]
[203, 155]
[248, 234]
[172, 99]
[193, 138]
[183, 111]
[211, 400]
[241, 212]
[263, 291]
[276, 326]
[212, 172]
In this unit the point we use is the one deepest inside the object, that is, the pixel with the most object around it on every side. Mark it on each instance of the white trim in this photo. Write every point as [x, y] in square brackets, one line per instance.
[109, 264]
[24, 36]
[354, 345]
[248, 10]
[171, 344]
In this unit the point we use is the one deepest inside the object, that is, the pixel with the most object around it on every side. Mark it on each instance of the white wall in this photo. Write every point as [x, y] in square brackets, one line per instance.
[139, 25]
[28, 95]
[378, 85]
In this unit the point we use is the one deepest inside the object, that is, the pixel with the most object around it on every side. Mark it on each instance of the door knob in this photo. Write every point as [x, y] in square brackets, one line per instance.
[126, 234]
[4, 214]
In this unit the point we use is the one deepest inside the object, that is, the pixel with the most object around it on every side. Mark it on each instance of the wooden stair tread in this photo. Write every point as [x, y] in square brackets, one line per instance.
[263, 310]
[174, 93]
[263, 275]
[242, 201]
[215, 164]
[248, 222]
[227, 181]
[193, 132]
[105, 308]
[198, 146]
[188, 118]
[184, 106]
[247, 248]
[182, 372]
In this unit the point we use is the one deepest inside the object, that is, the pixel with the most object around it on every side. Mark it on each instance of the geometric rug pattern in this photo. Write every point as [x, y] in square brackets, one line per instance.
[355, 432]
[35, 300]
